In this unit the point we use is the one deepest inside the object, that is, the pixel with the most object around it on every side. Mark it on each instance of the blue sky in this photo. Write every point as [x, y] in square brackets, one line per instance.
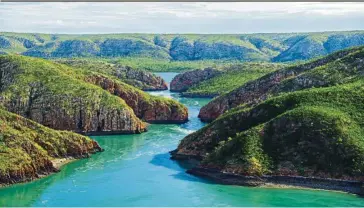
[195, 17]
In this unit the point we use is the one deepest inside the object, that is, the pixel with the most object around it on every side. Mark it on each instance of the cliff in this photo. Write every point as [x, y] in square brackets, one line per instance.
[334, 69]
[28, 149]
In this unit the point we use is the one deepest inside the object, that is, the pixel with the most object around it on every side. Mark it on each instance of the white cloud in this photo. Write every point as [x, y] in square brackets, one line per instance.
[196, 17]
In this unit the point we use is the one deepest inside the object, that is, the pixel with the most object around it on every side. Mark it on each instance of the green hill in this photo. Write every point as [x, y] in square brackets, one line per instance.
[308, 122]
[182, 47]
[29, 150]
[316, 132]
[337, 68]
[231, 77]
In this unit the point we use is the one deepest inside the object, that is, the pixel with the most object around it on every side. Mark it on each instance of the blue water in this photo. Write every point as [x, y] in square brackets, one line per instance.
[135, 170]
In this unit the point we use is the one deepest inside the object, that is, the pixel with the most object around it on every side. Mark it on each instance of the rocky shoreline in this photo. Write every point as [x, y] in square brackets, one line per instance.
[353, 187]
[216, 175]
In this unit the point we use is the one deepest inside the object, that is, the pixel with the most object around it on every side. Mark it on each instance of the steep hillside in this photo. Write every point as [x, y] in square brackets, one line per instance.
[67, 98]
[244, 47]
[316, 132]
[30, 150]
[334, 69]
[206, 83]
[138, 78]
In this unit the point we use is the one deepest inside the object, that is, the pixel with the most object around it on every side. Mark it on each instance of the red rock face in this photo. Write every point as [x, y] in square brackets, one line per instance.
[256, 91]
[184, 81]
[146, 108]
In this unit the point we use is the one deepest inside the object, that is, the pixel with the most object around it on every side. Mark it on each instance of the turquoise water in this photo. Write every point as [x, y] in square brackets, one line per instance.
[135, 170]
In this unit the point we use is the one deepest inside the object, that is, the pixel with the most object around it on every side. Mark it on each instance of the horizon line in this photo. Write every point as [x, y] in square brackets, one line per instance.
[151, 33]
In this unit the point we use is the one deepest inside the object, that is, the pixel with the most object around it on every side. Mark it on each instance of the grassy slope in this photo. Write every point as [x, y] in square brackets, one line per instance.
[59, 79]
[235, 76]
[27, 148]
[311, 132]
[336, 68]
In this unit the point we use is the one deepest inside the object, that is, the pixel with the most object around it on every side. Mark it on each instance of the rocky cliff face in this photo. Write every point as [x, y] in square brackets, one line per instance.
[288, 79]
[183, 81]
[140, 79]
[51, 95]
[28, 149]
[146, 107]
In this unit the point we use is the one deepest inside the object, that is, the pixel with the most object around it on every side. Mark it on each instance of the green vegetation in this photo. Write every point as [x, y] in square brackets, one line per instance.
[27, 149]
[316, 132]
[80, 99]
[32, 75]
[276, 47]
[309, 124]
[234, 76]
[135, 77]
[160, 65]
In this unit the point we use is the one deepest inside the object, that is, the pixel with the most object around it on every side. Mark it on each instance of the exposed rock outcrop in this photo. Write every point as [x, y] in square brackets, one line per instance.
[146, 107]
[183, 81]
[28, 148]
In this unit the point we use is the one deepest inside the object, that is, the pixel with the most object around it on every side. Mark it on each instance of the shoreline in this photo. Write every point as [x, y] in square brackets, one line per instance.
[275, 181]
[269, 181]
[58, 163]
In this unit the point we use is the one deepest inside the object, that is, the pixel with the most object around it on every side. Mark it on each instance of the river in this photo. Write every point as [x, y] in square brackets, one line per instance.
[135, 170]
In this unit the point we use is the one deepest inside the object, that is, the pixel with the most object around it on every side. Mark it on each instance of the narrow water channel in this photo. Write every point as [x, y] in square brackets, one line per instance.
[135, 170]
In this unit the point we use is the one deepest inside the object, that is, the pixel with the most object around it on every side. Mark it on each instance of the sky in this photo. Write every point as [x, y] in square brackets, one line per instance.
[193, 17]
